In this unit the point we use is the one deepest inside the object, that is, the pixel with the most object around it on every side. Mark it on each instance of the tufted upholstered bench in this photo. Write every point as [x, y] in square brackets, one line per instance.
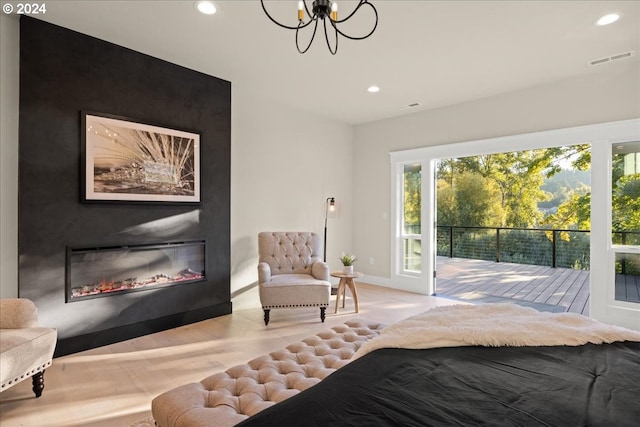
[227, 398]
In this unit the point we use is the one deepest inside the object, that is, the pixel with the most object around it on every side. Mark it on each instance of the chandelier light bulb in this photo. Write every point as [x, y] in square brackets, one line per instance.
[334, 11]
[300, 11]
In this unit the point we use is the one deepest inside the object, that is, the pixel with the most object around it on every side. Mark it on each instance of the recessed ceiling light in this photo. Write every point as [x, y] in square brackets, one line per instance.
[608, 19]
[206, 7]
[373, 89]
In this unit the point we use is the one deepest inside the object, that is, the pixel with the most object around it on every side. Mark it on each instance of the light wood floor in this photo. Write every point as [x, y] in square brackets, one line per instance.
[114, 385]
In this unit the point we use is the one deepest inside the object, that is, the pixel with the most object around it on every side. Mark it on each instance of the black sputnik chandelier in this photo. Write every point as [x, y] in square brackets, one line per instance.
[327, 12]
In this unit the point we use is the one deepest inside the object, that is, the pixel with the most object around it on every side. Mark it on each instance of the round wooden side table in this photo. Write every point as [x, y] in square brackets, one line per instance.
[346, 280]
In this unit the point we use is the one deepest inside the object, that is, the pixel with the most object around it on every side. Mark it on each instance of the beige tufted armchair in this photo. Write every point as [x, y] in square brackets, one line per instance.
[26, 349]
[291, 272]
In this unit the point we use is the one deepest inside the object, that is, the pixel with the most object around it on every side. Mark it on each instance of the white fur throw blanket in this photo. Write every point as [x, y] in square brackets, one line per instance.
[494, 325]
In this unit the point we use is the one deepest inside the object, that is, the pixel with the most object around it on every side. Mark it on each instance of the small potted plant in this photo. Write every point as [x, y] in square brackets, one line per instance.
[347, 261]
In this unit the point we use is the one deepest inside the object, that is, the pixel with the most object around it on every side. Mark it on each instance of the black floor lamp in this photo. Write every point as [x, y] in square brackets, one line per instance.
[330, 205]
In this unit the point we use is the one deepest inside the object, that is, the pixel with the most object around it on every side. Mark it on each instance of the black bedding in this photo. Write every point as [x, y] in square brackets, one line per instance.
[588, 385]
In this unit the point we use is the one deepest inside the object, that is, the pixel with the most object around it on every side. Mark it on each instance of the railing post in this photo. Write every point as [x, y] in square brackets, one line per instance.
[553, 249]
[497, 245]
[623, 263]
[451, 241]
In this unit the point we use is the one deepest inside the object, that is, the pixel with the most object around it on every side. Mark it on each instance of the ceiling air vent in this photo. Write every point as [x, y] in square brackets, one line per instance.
[410, 106]
[612, 58]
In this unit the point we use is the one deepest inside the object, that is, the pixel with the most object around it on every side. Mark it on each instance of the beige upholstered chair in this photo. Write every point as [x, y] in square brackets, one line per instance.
[291, 272]
[26, 349]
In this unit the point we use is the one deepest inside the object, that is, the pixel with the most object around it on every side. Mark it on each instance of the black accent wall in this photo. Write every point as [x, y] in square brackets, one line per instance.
[62, 73]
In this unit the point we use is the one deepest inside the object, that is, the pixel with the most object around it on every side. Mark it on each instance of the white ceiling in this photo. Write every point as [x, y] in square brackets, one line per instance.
[435, 53]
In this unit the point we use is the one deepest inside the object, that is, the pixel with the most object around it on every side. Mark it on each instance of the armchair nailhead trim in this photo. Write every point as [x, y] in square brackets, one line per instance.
[26, 375]
[293, 305]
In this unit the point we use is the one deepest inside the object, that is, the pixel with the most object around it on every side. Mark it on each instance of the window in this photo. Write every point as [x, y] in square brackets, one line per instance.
[625, 219]
[625, 194]
[412, 210]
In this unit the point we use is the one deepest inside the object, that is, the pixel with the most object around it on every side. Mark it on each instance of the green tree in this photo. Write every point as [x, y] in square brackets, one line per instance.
[626, 203]
[412, 197]
[477, 200]
[517, 176]
[562, 186]
[446, 169]
[447, 209]
[514, 180]
[573, 214]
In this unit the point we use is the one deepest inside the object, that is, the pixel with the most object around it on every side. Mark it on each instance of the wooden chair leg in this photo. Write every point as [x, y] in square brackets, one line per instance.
[266, 316]
[38, 383]
[322, 313]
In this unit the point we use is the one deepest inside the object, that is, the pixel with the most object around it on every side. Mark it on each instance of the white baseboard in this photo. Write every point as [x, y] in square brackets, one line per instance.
[413, 286]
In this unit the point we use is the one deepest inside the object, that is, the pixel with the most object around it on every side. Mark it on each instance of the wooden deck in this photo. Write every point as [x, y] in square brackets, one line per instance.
[627, 288]
[544, 288]
[541, 287]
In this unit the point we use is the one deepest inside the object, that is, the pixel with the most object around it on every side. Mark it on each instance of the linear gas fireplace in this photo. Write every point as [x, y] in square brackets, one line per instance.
[93, 272]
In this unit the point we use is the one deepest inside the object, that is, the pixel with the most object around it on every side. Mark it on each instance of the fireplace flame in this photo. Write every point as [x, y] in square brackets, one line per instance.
[108, 286]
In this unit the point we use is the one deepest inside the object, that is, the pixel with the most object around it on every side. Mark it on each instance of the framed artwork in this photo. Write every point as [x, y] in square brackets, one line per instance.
[127, 161]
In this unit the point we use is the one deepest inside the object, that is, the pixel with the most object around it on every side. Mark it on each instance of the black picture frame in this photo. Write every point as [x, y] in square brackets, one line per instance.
[124, 160]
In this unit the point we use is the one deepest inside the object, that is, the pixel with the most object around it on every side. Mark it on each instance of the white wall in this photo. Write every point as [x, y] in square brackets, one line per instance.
[284, 165]
[9, 78]
[284, 162]
[608, 93]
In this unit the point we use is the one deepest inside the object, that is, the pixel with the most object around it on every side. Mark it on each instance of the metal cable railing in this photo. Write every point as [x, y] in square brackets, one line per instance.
[551, 247]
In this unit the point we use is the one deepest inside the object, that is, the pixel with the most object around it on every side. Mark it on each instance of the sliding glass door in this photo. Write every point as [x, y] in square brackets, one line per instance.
[615, 205]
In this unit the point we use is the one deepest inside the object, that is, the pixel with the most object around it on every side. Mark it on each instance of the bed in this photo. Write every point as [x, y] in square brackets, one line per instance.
[492, 364]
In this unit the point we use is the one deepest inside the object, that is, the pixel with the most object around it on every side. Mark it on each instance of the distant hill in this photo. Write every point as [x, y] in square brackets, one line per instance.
[561, 185]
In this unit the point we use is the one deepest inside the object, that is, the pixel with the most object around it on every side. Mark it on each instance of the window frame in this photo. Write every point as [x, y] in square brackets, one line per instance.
[600, 136]
[403, 235]
[602, 302]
